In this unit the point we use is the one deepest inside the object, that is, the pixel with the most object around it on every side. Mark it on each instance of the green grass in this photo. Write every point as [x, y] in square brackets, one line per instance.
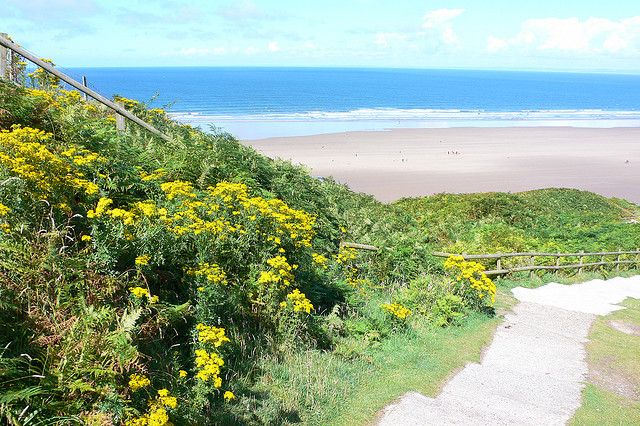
[613, 396]
[421, 364]
[322, 388]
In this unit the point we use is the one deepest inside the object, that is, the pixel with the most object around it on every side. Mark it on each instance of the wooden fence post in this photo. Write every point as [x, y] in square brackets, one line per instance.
[558, 264]
[84, 83]
[532, 262]
[4, 60]
[581, 261]
[121, 124]
[618, 260]
[499, 264]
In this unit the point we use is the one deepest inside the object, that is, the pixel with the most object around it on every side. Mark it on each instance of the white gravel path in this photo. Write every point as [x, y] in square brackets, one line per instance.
[533, 372]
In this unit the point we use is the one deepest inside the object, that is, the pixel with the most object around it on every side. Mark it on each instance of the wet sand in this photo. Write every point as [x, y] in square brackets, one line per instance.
[414, 162]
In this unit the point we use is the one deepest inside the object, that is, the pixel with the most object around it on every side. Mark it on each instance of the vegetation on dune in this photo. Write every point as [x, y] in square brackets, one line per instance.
[611, 395]
[197, 282]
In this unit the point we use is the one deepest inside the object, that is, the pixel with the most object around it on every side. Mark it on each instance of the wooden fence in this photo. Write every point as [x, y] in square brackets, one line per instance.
[7, 45]
[557, 266]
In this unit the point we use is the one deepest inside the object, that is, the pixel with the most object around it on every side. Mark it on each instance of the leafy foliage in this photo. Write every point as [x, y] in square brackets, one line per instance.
[145, 281]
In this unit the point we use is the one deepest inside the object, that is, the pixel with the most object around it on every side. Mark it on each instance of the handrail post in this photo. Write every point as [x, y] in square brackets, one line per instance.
[581, 261]
[84, 83]
[532, 262]
[499, 264]
[4, 59]
[558, 264]
[121, 124]
[618, 260]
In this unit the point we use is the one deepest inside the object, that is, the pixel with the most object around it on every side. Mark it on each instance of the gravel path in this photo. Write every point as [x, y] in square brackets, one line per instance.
[533, 371]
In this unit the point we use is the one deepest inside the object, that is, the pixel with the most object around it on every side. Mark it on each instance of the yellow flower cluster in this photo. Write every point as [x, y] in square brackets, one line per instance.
[212, 335]
[154, 175]
[102, 208]
[157, 414]
[143, 260]
[397, 310]
[221, 210]
[83, 157]
[24, 152]
[209, 364]
[128, 217]
[297, 224]
[299, 301]
[178, 188]
[229, 396]
[345, 255]
[280, 272]
[166, 399]
[3, 212]
[212, 272]
[157, 112]
[473, 272]
[141, 292]
[138, 381]
[128, 103]
[319, 260]
[44, 78]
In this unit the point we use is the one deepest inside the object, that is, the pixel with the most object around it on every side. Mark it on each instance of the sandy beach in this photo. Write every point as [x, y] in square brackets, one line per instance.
[414, 162]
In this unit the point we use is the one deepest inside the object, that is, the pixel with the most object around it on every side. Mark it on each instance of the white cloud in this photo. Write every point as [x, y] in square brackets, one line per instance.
[440, 21]
[495, 44]
[386, 39]
[592, 35]
[438, 18]
[273, 46]
[242, 10]
[202, 51]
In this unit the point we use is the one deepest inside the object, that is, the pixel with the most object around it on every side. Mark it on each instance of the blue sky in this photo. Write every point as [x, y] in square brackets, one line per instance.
[572, 35]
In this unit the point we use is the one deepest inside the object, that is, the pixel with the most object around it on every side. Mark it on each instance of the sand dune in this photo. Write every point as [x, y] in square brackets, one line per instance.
[413, 162]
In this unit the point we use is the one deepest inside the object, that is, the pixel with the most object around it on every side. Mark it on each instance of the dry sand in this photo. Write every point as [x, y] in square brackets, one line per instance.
[414, 162]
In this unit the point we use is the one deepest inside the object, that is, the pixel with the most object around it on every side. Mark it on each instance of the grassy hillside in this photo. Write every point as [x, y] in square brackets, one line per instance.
[144, 282]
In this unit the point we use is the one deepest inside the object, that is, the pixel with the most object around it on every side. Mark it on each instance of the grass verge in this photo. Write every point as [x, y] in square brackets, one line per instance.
[612, 396]
[321, 388]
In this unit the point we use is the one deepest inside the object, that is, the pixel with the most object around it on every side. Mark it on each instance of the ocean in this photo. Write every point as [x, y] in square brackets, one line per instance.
[254, 103]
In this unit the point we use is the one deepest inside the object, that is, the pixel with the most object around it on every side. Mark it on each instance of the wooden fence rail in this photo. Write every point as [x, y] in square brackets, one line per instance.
[5, 43]
[532, 267]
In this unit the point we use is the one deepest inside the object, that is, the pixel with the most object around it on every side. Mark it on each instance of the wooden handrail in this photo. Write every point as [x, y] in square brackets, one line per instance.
[529, 254]
[77, 85]
[556, 267]
[358, 246]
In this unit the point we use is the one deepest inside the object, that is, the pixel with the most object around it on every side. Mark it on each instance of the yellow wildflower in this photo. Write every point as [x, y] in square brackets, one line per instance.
[319, 260]
[300, 301]
[139, 292]
[138, 381]
[209, 364]
[397, 310]
[229, 396]
[143, 260]
[213, 335]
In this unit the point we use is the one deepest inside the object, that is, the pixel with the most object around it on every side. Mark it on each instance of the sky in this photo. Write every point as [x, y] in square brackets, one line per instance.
[546, 35]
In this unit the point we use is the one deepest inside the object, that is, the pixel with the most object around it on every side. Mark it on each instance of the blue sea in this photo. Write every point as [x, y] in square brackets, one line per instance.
[255, 103]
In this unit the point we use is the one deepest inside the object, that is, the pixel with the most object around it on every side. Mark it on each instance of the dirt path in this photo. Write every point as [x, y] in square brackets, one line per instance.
[533, 371]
